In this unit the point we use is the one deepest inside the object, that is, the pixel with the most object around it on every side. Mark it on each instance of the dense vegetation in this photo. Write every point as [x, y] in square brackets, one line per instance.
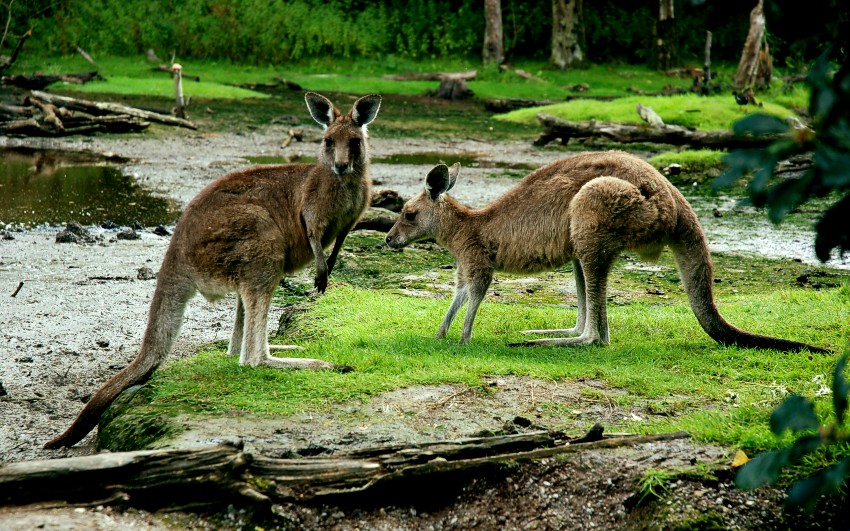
[249, 31]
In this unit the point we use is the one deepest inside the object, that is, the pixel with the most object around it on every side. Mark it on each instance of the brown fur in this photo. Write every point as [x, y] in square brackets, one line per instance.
[586, 209]
[242, 234]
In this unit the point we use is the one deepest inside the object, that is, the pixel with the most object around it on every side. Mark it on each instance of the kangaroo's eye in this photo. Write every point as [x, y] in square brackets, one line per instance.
[354, 144]
[329, 143]
[410, 216]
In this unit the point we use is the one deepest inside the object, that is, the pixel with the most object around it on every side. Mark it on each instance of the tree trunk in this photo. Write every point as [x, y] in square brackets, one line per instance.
[565, 46]
[664, 34]
[494, 48]
[748, 66]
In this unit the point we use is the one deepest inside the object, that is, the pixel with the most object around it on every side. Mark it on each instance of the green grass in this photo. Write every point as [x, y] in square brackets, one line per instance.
[135, 76]
[658, 354]
[706, 113]
[693, 161]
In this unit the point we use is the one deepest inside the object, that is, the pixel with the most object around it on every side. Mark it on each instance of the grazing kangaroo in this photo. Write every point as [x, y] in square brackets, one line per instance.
[588, 209]
[243, 233]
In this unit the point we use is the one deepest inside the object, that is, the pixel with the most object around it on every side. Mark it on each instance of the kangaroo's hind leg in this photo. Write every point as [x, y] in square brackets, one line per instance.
[255, 343]
[581, 316]
[606, 216]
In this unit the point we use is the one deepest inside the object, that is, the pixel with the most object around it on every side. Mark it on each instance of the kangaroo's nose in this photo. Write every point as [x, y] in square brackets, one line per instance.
[340, 168]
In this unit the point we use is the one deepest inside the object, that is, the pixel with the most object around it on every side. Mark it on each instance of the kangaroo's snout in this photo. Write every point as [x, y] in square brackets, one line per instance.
[342, 168]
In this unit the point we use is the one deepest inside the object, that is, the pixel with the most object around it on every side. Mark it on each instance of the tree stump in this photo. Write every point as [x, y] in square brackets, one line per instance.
[452, 87]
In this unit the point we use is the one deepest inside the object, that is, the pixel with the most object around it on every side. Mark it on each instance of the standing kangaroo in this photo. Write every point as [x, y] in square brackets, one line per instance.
[588, 209]
[243, 233]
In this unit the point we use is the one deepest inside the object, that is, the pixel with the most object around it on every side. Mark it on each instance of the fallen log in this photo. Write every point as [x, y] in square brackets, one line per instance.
[87, 126]
[40, 81]
[220, 475]
[99, 108]
[433, 76]
[507, 105]
[556, 128]
[150, 479]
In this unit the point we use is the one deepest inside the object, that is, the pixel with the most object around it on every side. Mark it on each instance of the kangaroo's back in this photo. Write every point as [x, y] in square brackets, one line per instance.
[531, 224]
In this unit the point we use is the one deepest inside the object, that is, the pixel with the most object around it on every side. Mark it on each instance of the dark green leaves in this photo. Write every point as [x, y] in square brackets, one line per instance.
[795, 414]
[829, 109]
[765, 468]
[798, 414]
[806, 492]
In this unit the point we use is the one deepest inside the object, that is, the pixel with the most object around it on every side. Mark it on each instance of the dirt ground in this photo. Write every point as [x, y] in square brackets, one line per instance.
[81, 310]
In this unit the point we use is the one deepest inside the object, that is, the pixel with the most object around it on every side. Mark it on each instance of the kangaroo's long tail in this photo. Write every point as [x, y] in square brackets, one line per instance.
[693, 259]
[166, 316]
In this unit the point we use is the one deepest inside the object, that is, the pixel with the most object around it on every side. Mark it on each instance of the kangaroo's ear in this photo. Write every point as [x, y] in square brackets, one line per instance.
[365, 109]
[453, 172]
[321, 108]
[438, 181]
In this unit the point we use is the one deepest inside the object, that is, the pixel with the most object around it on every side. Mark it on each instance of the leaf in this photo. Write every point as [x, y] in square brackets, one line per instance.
[738, 162]
[833, 229]
[760, 124]
[840, 389]
[762, 470]
[765, 468]
[807, 491]
[739, 460]
[796, 414]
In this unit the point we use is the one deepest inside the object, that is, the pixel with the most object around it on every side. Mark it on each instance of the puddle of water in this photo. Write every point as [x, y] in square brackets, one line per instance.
[467, 159]
[56, 187]
[269, 159]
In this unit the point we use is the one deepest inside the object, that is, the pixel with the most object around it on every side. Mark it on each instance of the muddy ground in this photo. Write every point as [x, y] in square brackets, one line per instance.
[81, 310]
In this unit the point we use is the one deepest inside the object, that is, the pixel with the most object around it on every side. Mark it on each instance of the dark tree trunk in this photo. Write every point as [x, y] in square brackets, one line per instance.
[664, 31]
[749, 64]
[566, 50]
[494, 48]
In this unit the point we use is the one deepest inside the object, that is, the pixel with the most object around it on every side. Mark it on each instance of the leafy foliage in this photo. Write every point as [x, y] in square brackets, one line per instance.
[828, 140]
[252, 31]
[798, 415]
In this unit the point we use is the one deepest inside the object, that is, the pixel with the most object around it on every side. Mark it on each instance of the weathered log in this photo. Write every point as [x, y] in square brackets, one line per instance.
[507, 105]
[432, 76]
[522, 73]
[388, 199]
[15, 111]
[99, 108]
[90, 125]
[224, 474]
[40, 81]
[556, 128]
[380, 224]
[150, 479]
